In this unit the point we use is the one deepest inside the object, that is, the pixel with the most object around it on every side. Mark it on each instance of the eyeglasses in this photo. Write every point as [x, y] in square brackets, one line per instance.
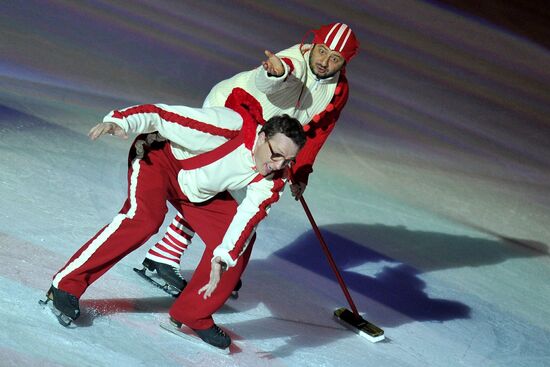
[277, 157]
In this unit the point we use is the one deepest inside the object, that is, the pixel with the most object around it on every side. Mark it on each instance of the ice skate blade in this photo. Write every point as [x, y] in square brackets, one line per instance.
[359, 325]
[166, 288]
[61, 317]
[188, 336]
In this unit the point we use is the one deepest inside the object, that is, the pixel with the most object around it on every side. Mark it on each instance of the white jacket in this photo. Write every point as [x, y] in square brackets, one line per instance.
[192, 131]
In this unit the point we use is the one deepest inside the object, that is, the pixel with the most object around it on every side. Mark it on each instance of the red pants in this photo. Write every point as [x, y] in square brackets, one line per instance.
[152, 181]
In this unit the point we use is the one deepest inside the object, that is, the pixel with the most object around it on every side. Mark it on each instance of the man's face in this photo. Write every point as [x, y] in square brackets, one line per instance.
[324, 62]
[274, 153]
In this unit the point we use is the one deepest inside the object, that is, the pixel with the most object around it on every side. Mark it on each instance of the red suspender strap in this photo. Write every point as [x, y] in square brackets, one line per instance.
[251, 112]
[207, 158]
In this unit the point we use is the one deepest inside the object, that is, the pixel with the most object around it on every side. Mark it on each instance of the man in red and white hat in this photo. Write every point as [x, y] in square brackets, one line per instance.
[305, 81]
[334, 45]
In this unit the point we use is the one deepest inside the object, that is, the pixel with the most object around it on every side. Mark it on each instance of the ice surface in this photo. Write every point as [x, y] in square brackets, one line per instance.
[433, 191]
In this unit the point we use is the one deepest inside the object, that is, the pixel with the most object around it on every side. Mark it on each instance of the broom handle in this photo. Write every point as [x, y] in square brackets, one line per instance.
[329, 256]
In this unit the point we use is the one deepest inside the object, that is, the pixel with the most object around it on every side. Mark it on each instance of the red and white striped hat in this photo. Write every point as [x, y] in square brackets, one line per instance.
[338, 37]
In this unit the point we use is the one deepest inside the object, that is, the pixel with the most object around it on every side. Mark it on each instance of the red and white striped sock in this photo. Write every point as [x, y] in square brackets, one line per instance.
[171, 247]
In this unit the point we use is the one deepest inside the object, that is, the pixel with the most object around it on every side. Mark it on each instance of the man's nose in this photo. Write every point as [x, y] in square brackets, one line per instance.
[324, 60]
[278, 165]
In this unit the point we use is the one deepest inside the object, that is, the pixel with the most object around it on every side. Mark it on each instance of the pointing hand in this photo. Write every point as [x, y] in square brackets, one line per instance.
[273, 65]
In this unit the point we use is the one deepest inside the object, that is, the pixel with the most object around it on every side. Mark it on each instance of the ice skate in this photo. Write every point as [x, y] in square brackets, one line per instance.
[213, 338]
[63, 305]
[164, 276]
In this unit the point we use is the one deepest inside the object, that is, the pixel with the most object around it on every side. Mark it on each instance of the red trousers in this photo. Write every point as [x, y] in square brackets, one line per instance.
[152, 182]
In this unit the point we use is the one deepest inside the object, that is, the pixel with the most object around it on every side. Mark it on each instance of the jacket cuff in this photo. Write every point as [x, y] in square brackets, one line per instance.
[111, 117]
[224, 255]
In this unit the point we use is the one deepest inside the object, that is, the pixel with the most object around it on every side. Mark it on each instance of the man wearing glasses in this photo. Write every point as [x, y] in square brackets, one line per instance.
[307, 82]
[189, 157]
[278, 158]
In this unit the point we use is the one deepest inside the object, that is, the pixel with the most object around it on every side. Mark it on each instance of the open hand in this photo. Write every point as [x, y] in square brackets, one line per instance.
[107, 128]
[215, 276]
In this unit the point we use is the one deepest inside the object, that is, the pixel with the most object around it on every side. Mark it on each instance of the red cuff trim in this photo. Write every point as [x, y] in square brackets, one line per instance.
[287, 61]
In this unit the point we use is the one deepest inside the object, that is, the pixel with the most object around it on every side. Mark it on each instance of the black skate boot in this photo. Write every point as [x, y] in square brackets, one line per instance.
[170, 275]
[64, 305]
[214, 335]
[214, 338]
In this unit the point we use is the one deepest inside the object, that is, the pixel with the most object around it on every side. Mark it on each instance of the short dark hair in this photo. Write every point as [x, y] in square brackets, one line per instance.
[286, 125]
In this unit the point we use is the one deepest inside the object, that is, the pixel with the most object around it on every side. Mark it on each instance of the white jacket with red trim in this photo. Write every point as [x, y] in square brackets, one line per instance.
[192, 131]
[316, 103]
[298, 92]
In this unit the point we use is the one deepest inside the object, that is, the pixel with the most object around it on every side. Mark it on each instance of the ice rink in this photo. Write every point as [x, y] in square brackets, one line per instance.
[433, 192]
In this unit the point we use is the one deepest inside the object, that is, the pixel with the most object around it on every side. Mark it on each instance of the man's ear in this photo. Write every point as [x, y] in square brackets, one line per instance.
[261, 137]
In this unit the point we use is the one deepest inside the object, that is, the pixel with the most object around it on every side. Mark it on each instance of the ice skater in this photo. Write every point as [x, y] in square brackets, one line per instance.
[305, 81]
[189, 157]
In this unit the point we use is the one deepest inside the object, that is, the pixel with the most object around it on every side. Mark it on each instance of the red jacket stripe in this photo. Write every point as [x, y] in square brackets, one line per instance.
[261, 214]
[177, 119]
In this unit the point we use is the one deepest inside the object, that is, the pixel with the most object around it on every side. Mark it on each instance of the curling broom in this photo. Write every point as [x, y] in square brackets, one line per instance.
[350, 319]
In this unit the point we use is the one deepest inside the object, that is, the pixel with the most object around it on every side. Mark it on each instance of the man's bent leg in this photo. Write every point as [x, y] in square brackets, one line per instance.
[139, 219]
[210, 220]
[191, 308]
